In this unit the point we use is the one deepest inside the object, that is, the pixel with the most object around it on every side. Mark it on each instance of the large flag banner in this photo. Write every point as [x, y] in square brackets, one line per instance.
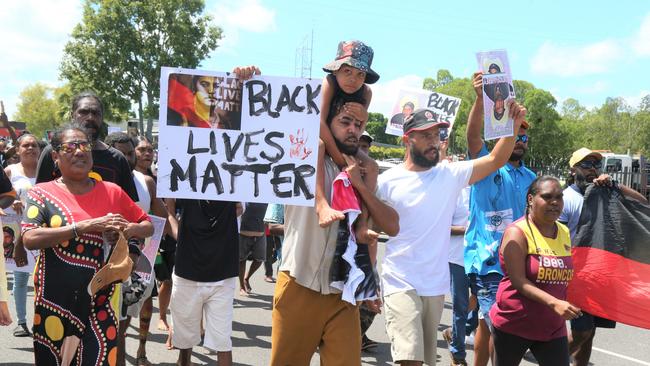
[221, 139]
[497, 90]
[611, 258]
[444, 106]
[11, 231]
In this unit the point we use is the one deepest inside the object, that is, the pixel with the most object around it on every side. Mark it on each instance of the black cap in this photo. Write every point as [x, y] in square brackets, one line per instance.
[422, 119]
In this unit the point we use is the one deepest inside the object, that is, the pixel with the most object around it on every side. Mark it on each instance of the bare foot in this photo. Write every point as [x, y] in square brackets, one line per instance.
[247, 283]
[168, 343]
[366, 236]
[162, 324]
[327, 215]
[243, 292]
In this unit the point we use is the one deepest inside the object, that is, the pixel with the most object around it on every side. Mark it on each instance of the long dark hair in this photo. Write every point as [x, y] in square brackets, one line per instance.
[136, 141]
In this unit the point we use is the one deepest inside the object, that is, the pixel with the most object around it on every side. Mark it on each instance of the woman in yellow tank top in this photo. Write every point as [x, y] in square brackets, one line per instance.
[531, 307]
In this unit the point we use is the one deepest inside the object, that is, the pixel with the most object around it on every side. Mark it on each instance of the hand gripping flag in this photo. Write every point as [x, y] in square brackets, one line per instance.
[611, 257]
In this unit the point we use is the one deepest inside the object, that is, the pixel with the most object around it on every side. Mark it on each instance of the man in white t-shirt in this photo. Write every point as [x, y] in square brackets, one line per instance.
[415, 270]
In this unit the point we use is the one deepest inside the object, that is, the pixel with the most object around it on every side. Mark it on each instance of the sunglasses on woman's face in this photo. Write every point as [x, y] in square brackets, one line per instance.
[522, 138]
[72, 146]
[596, 164]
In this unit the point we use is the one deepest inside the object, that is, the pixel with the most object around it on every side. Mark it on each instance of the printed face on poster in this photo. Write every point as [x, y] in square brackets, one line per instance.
[145, 263]
[498, 89]
[444, 106]
[226, 140]
[11, 233]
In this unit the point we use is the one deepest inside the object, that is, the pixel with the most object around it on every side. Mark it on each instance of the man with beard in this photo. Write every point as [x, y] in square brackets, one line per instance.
[415, 270]
[585, 167]
[309, 313]
[108, 163]
[496, 201]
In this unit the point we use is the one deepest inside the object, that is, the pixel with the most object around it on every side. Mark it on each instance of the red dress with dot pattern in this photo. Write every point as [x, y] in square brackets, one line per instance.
[62, 305]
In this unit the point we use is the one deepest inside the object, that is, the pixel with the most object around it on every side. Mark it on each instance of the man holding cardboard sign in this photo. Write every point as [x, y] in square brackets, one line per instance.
[309, 313]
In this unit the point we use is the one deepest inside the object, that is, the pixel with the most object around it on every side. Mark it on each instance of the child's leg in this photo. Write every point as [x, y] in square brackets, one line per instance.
[362, 231]
[326, 215]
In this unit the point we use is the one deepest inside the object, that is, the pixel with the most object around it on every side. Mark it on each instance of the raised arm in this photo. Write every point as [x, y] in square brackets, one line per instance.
[327, 94]
[501, 153]
[475, 119]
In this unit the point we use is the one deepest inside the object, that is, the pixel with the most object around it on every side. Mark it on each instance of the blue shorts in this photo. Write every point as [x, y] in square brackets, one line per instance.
[486, 294]
[588, 322]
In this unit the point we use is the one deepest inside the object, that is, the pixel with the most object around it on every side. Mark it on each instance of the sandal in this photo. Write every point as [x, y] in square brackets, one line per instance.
[142, 361]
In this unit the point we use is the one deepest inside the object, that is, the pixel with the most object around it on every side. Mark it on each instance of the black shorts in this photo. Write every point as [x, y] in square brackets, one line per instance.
[165, 268]
[588, 322]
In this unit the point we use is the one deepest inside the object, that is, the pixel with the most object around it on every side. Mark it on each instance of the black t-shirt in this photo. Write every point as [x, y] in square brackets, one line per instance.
[5, 184]
[253, 217]
[110, 164]
[208, 242]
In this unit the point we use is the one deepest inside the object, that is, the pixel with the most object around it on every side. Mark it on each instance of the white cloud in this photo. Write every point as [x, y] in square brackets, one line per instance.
[234, 16]
[641, 42]
[596, 87]
[33, 35]
[561, 60]
[384, 94]
[635, 100]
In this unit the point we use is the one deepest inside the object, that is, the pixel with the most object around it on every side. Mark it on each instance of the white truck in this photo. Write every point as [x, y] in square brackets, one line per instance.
[630, 170]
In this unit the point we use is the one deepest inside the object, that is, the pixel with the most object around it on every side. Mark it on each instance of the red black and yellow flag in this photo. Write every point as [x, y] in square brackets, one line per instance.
[611, 258]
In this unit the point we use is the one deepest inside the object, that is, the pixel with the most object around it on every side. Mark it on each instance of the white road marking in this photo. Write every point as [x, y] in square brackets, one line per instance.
[621, 356]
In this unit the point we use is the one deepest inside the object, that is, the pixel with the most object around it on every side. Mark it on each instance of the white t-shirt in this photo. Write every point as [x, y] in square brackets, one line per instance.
[417, 258]
[460, 218]
[572, 209]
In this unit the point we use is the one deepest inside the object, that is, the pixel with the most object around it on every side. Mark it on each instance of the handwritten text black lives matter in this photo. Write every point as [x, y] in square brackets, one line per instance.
[261, 150]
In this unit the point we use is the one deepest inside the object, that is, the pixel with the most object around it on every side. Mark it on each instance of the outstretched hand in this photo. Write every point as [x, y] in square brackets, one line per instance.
[477, 84]
[517, 113]
[4, 120]
[246, 72]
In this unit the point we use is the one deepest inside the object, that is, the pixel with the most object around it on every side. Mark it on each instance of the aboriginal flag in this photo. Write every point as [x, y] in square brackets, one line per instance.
[611, 258]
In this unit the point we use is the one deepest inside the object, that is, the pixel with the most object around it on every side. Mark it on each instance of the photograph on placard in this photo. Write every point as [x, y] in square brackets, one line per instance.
[11, 234]
[445, 107]
[207, 101]
[497, 90]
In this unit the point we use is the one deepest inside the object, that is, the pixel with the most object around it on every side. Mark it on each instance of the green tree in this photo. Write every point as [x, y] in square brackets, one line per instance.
[120, 46]
[376, 127]
[38, 108]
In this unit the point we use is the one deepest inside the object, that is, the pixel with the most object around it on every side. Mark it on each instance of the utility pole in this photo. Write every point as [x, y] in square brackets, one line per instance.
[303, 58]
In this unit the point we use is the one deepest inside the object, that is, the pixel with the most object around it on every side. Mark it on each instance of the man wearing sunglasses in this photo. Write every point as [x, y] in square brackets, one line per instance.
[495, 201]
[108, 163]
[585, 168]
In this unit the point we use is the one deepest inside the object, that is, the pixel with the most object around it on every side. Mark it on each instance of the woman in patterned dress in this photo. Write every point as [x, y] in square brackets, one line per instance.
[68, 219]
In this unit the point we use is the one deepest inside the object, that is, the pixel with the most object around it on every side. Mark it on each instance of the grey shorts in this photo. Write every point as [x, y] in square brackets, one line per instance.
[253, 246]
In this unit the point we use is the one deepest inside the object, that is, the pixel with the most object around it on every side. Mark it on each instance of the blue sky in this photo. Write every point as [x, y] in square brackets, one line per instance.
[588, 50]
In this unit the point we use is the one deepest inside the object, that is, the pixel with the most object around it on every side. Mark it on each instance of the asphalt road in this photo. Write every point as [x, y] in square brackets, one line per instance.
[252, 338]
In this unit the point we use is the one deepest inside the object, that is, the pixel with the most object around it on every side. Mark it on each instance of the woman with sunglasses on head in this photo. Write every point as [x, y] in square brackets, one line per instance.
[68, 219]
[23, 177]
[531, 307]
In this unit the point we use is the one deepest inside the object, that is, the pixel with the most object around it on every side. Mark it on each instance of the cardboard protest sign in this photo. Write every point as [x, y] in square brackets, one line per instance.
[408, 100]
[221, 139]
[145, 263]
[11, 231]
[497, 90]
